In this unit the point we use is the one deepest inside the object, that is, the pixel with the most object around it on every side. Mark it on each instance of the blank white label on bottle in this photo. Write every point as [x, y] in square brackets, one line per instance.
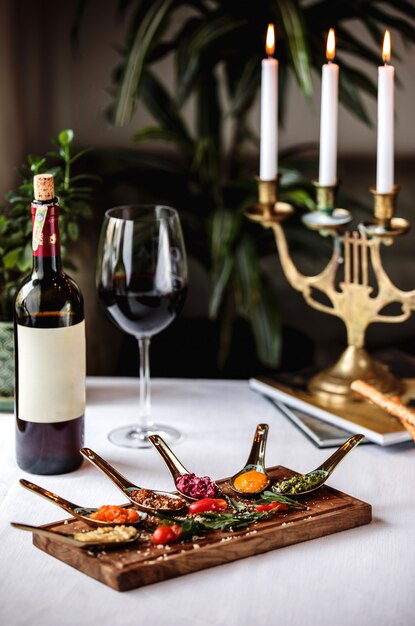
[52, 369]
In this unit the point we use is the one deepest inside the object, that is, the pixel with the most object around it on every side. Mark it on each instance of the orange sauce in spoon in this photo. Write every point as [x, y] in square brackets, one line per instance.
[250, 482]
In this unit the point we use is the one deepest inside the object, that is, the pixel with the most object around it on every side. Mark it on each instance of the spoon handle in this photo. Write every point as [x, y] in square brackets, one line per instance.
[340, 453]
[174, 466]
[53, 497]
[46, 533]
[257, 454]
[118, 479]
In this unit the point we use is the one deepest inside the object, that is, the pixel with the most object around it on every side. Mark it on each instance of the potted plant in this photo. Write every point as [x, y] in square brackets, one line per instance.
[74, 192]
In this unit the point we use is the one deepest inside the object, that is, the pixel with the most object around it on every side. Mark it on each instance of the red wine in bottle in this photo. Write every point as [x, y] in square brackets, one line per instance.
[49, 350]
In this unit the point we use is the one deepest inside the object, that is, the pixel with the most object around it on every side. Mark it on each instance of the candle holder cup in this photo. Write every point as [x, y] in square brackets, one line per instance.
[347, 284]
[385, 224]
[326, 218]
[269, 208]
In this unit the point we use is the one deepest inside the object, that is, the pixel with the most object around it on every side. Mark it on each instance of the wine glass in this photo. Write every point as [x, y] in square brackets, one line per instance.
[142, 284]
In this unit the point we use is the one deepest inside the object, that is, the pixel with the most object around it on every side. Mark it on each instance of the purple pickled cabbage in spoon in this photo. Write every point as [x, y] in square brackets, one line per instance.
[196, 486]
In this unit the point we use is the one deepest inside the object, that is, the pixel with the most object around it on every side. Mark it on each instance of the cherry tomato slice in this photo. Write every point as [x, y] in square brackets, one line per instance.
[272, 505]
[208, 505]
[219, 504]
[166, 534]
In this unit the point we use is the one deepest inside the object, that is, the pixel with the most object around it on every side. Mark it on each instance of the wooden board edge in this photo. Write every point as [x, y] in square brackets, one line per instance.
[245, 545]
[73, 556]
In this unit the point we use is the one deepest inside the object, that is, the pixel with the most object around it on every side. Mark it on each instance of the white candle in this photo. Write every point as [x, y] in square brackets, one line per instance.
[269, 111]
[385, 148]
[328, 118]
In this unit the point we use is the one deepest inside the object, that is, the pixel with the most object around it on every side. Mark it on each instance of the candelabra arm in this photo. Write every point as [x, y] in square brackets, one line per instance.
[389, 293]
[305, 284]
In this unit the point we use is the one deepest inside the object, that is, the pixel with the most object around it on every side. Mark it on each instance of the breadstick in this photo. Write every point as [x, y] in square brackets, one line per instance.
[394, 405]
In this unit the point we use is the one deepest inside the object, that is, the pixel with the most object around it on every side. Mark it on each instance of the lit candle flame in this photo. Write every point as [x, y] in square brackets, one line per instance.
[386, 49]
[270, 43]
[331, 45]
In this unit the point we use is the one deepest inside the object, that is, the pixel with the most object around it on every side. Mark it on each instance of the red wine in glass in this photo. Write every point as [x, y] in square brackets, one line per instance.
[138, 310]
[142, 285]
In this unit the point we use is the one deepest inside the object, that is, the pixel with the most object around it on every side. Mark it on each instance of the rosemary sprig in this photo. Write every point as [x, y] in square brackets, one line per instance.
[235, 505]
[207, 522]
[270, 496]
[230, 521]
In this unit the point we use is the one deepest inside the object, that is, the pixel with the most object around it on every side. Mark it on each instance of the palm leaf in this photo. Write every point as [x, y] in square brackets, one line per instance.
[350, 96]
[407, 8]
[255, 301]
[207, 157]
[402, 26]
[292, 19]
[146, 36]
[242, 91]
[200, 37]
[248, 277]
[225, 227]
[163, 108]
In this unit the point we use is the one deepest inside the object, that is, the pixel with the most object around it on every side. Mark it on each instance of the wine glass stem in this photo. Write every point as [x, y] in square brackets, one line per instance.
[145, 387]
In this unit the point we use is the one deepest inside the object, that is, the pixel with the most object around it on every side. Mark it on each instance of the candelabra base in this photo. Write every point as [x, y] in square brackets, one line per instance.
[333, 384]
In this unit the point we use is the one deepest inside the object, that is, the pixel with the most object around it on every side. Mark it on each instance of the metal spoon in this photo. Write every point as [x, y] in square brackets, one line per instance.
[81, 513]
[255, 462]
[323, 471]
[127, 487]
[70, 539]
[174, 466]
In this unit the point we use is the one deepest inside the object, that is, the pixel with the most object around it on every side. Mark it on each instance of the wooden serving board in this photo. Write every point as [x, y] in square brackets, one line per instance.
[328, 511]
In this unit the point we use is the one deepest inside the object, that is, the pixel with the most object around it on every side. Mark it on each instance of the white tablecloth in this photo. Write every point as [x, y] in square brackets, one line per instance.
[362, 576]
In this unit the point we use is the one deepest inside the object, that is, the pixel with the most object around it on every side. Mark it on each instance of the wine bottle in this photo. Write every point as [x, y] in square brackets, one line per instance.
[49, 350]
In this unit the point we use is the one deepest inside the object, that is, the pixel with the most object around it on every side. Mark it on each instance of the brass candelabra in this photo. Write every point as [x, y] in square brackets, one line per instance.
[345, 281]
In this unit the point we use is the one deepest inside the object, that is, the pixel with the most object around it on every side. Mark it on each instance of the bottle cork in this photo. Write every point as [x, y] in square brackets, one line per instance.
[44, 187]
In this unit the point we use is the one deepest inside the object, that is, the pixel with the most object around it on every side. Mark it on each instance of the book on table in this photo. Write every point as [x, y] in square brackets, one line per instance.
[322, 434]
[354, 417]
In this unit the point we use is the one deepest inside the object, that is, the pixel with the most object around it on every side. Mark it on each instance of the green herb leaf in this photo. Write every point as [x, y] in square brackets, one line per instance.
[269, 496]
[65, 137]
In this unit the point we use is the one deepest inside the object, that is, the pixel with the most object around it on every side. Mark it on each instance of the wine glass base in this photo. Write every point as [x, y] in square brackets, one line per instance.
[136, 436]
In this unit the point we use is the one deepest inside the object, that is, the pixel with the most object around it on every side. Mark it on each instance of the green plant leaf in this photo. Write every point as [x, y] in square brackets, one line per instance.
[65, 137]
[148, 32]
[346, 42]
[155, 133]
[248, 278]
[207, 154]
[219, 283]
[244, 92]
[361, 80]
[266, 326]
[79, 155]
[299, 197]
[163, 108]
[350, 96]
[255, 301]
[203, 37]
[11, 258]
[35, 161]
[402, 26]
[73, 231]
[24, 261]
[224, 229]
[296, 36]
